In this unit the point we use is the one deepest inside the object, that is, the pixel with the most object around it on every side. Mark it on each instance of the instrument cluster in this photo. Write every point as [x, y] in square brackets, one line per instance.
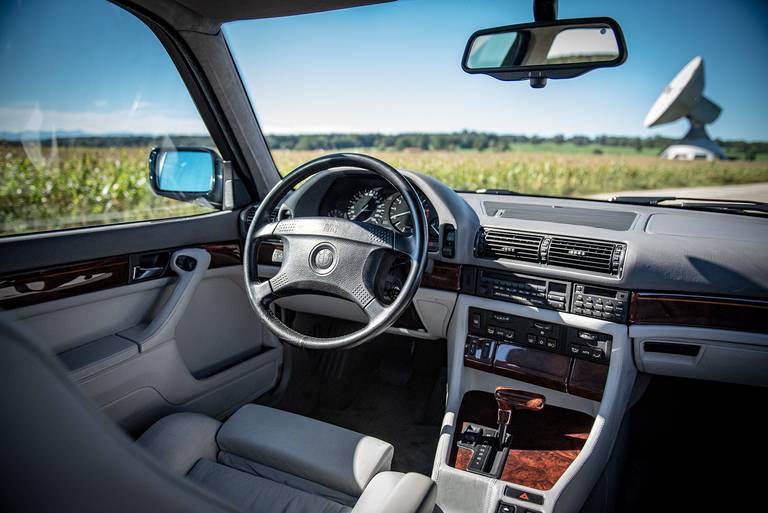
[377, 203]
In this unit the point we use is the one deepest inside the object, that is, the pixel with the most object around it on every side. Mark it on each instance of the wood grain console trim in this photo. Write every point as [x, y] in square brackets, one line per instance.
[702, 311]
[543, 368]
[543, 445]
[587, 379]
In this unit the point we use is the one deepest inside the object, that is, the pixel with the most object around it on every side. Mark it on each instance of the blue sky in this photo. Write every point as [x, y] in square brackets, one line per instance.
[386, 68]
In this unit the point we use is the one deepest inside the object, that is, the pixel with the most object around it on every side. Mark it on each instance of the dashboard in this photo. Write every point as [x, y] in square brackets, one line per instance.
[653, 274]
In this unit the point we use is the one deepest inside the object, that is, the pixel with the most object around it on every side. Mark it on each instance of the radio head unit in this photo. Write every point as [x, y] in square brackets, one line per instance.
[525, 290]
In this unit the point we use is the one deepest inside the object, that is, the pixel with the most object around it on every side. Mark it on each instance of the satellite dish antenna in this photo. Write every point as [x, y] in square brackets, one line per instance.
[683, 97]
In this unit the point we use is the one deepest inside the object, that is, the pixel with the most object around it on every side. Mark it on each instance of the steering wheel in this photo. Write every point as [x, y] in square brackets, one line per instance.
[333, 256]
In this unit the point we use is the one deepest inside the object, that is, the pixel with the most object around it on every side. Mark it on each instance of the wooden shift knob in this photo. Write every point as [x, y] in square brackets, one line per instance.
[509, 399]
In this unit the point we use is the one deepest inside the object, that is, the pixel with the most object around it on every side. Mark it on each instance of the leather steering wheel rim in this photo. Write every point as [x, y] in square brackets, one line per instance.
[334, 256]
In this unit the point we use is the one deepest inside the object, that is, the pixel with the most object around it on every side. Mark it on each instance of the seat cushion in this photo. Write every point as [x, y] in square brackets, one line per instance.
[180, 439]
[255, 494]
[322, 453]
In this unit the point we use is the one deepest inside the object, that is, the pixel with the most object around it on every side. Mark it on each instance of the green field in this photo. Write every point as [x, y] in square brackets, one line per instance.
[82, 186]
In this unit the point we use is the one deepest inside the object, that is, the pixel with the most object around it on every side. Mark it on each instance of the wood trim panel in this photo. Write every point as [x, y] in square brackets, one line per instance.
[224, 254]
[702, 311]
[39, 286]
[549, 370]
[587, 379]
[443, 276]
[51, 283]
[544, 443]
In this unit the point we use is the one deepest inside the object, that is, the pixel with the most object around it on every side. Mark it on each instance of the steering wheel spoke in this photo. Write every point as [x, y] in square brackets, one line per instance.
[406, 244]
[259, 291]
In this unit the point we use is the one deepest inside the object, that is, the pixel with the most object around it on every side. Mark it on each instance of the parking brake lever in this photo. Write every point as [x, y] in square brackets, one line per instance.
[508, 400]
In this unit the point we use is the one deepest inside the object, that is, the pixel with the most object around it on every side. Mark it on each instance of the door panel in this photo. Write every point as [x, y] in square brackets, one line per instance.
[217, 358]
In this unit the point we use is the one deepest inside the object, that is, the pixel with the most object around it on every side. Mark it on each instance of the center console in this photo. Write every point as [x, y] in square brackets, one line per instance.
[525, 336]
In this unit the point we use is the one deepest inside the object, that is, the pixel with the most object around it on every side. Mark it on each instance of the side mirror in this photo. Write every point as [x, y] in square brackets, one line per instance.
[193, 175]
[546, 49]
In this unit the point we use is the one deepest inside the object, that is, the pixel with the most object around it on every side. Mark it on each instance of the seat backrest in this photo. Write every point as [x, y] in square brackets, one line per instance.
[59, 453]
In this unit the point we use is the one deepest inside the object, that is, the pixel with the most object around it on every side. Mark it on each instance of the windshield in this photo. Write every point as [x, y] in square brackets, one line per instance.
[386, 80]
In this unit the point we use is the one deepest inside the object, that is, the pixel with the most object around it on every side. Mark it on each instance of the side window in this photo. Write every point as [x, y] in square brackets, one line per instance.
[86, 93]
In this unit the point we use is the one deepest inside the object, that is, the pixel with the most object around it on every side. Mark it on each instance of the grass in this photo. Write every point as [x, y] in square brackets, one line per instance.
[556, 174]
[89, 186]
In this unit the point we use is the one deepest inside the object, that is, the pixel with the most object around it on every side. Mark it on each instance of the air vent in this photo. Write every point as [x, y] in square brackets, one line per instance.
[498, 243]
[587, 255]
[583, 254]
[249, 215]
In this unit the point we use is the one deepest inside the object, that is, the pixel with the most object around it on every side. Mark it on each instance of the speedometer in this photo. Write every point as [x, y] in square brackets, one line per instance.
[363, 205]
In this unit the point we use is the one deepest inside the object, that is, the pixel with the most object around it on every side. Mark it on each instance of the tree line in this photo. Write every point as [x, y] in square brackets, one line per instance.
[466, 140]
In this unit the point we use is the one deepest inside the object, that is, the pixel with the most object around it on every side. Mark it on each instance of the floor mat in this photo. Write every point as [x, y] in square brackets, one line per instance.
[392, 413]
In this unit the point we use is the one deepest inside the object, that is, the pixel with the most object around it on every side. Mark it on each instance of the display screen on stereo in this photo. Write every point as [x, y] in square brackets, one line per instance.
[597, 291]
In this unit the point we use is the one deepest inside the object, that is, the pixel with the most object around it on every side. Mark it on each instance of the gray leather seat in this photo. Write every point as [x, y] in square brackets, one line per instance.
[61, 454]
[267, 460]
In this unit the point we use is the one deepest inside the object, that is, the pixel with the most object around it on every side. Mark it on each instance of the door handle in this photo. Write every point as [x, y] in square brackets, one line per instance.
[142, 273]
[163, 327]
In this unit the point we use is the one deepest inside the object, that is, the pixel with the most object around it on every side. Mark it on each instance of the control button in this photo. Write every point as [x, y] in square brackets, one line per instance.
[596, 353]
[475, 320]
[522, 495]
[579, 297]
[552, 343]
[531, 338]
[509, 334]
[541, 341]
[505, 508]
[585, 335]
[586, 352]
[587, 299]
[577, 310]
[599, 307]
[575, 349]
[490, 330]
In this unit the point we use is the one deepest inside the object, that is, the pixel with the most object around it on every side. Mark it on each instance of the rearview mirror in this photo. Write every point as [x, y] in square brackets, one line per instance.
[194, 175]
[541, 50]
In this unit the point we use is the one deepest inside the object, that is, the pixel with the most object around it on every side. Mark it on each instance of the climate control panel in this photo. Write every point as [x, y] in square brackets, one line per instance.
[489, 329]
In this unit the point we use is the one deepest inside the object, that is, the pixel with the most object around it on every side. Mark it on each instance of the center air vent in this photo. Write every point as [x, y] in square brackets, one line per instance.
[498, 243]
[583, 254]
[588, 255]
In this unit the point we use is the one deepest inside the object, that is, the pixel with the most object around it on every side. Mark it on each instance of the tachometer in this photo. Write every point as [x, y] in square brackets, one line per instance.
[363, 205]
[400, 217]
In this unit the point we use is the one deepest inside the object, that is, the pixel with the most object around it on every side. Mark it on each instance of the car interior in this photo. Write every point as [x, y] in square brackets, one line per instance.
[353, 337]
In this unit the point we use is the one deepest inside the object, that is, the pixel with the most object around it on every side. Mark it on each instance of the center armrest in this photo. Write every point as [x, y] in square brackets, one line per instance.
[329, 455]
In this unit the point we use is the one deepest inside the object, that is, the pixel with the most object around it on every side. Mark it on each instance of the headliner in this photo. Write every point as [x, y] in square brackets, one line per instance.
[222, 11]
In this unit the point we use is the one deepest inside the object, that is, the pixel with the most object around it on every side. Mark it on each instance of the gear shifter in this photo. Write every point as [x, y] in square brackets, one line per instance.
[508, 400]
